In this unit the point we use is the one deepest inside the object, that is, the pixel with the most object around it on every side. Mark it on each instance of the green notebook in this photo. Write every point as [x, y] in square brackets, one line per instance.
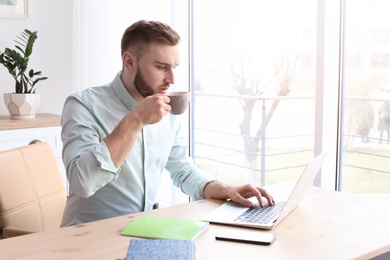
[164, 228]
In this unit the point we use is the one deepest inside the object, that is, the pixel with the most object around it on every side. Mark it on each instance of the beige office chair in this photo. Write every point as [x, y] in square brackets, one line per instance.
[32, 195]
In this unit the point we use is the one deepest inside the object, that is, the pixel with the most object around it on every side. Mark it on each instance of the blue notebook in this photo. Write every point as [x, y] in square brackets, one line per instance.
[161, 249]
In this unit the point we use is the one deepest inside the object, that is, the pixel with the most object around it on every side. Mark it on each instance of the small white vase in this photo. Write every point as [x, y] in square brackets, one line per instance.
[22, 106]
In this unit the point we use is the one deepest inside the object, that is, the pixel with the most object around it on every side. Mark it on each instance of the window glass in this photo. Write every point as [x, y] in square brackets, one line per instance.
[366, 97]
[254, 86]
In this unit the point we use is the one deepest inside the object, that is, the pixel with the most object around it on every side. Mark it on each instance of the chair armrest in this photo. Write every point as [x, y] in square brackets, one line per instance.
[13, 232]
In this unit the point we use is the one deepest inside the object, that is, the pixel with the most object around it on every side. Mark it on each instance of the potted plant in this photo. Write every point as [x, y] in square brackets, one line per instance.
[23, 103]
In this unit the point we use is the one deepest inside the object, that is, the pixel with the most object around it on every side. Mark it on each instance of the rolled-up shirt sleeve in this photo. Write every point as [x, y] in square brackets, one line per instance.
[184, 173]
[85, 154]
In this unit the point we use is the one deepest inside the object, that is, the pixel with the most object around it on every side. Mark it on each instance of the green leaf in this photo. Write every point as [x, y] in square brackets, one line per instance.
[16, 62]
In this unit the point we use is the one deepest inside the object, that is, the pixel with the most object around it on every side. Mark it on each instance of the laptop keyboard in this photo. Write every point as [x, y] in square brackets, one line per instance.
[261, 215]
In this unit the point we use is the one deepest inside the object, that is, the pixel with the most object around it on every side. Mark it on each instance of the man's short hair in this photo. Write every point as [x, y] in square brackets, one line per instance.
[140, 34]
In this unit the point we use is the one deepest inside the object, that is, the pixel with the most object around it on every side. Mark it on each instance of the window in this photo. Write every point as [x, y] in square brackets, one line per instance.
[267, 78]
[364, 161]
[254, 85]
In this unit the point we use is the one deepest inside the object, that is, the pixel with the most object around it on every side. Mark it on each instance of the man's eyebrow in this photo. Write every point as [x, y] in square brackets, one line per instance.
[162, 63]
[165, 64]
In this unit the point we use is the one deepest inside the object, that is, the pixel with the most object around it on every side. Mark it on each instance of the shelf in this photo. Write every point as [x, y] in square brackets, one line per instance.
[41, 120]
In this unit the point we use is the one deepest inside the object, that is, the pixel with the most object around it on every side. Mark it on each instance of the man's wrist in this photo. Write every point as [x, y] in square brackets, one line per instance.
[216, 190]
[204, 189]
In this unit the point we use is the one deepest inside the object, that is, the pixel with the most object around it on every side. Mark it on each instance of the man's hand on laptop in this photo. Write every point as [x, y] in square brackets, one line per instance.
[240, 194]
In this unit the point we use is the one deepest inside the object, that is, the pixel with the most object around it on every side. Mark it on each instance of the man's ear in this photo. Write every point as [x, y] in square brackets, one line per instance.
[129, 61]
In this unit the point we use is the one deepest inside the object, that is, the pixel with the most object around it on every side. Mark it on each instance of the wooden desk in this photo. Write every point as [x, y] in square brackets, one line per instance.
[326, 225]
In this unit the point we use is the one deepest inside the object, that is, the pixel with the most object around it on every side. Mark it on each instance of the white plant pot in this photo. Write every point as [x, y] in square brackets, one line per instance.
[22, 106]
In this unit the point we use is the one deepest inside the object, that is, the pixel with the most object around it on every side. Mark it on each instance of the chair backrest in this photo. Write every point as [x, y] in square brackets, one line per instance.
[32, 195]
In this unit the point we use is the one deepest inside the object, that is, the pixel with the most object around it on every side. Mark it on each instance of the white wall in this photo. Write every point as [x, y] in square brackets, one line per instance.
[52, 52]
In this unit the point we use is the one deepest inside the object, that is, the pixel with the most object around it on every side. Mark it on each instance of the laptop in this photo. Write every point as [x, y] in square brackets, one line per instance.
[232, 213]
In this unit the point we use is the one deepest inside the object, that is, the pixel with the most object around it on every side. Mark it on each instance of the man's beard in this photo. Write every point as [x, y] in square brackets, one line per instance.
[140, 84]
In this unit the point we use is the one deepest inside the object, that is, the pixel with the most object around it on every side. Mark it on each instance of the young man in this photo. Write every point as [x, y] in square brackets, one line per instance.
[119, 138]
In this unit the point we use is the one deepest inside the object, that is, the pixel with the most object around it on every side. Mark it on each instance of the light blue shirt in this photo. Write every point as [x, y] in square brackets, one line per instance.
[97, 189]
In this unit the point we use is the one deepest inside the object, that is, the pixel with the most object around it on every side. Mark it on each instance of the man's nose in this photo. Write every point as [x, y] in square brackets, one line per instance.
[170, 77]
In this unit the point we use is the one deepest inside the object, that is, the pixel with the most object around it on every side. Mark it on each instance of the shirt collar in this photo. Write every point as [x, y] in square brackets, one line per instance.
[122, 93]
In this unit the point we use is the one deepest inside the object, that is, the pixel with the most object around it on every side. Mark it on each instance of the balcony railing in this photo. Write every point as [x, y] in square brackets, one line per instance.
[371, 151]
